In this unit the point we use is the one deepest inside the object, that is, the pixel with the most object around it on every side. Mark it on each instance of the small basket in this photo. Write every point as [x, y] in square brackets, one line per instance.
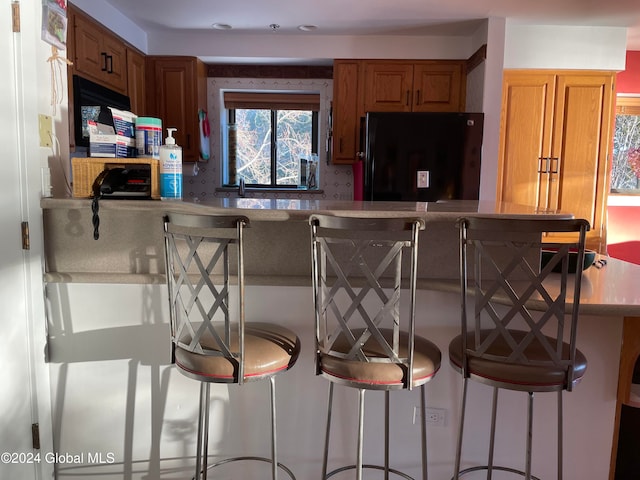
[85, 171]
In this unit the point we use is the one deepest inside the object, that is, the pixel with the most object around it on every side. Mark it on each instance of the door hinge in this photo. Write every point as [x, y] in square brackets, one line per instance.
[35, 435]
[15, 16]
[25, 235]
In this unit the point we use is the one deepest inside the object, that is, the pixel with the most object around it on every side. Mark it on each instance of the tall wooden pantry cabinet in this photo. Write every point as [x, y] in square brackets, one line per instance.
[554, 142]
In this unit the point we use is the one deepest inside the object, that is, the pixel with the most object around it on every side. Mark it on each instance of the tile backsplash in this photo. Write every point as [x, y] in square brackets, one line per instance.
[204, 180]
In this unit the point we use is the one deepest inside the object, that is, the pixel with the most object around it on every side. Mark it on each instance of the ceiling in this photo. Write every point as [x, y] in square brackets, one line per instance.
[375, 17]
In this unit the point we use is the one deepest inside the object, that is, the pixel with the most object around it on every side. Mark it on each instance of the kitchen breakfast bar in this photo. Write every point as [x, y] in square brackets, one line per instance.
[114, 389]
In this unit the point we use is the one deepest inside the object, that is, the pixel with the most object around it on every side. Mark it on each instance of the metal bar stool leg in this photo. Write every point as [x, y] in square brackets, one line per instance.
[203, 433]
[360, 433]
[386, 435]
[560, 435]
[492, 441]
[423, 430]
[199, 440]
[463, 405]
[274, 451]
[527, 471]
[325, 459]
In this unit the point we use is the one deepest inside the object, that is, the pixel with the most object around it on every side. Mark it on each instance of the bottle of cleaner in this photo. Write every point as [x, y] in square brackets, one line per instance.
[170, 168]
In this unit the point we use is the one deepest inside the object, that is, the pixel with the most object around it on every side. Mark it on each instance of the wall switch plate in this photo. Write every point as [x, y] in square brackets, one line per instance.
[423, 179]
[45, 126]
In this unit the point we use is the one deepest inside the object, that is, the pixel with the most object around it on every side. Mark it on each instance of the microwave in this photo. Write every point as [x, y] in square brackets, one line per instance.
[91, 102]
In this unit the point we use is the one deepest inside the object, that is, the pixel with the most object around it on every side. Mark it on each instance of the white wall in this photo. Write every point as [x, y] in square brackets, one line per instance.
[115, 392]
[564, 47]
[223, 47]
[114, 21]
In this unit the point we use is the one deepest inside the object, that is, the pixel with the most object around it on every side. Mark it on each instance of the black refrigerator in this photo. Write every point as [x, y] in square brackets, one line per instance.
[422, 156]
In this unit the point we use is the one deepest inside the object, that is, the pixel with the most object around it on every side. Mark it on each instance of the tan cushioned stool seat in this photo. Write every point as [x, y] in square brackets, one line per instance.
[535, 375]
[427, 358]
[268, 349]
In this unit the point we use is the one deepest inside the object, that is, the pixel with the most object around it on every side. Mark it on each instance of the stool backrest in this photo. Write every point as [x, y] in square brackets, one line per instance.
[204, 262]
[359, 268]
[502, 274]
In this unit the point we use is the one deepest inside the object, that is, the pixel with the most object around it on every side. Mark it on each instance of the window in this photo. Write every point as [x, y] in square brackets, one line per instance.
[268, 136]
[625, 170]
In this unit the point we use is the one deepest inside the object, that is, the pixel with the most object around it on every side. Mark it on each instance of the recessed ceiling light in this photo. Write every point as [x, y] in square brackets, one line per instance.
[307, 28]
[221, 26]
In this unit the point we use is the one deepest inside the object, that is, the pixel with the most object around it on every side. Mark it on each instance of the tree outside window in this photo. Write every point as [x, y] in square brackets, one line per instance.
[268, 136]
[625, 169]
[270, 144]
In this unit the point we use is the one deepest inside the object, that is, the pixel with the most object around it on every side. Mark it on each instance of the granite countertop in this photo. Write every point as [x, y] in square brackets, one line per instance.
[273, 209]
[130, 246]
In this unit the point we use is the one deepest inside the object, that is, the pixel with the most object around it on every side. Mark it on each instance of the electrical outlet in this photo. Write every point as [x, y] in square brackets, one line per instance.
[45, 126]
[433, 416]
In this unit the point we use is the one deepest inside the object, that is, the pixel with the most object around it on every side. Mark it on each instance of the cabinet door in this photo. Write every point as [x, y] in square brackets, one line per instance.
[99, 55]
[525, 137]
[90, 58]
[437, 87]
[581, 140]
[388, 87]
[136, 82]
[176, 93]
[346, 121]
[115, 74]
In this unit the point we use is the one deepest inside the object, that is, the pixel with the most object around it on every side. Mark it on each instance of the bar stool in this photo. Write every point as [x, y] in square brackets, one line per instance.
[365, 337]
[502, 343]
[211, 342]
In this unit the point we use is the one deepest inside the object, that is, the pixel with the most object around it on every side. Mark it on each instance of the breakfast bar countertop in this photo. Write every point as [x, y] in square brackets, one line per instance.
[130, 246]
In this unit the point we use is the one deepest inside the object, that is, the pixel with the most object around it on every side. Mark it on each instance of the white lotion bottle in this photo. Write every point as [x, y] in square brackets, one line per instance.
[170, 168]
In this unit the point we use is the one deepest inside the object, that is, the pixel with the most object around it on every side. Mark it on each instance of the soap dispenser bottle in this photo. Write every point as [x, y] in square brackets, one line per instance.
[170, 168]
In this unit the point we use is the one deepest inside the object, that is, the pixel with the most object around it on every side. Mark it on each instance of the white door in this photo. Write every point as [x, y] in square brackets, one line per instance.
[22, 362]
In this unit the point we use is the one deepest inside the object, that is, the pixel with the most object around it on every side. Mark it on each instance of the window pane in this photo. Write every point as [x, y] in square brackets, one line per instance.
[254, 145]
[625, 171]
[293, 143]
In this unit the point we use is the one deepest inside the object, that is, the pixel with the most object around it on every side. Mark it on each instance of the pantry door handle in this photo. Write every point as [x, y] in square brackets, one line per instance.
[540, 169]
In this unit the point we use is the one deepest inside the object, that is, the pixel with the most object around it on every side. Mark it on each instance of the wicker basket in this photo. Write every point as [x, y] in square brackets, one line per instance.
[85, 171]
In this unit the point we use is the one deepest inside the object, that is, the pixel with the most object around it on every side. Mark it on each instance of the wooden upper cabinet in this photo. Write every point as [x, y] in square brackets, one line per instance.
[176, 91]
[388, 87]
[98, 54]
[136, 86]
[554, 142]
[417, 86]
[345, 111]
[438, 87]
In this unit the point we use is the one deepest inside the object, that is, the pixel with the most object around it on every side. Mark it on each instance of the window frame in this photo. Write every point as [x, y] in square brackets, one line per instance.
[273, 150]
[274, 101]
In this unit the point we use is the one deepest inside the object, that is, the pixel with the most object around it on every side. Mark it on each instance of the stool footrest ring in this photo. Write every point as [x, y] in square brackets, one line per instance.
[485, 467]
[375, 467]
[281, 466]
